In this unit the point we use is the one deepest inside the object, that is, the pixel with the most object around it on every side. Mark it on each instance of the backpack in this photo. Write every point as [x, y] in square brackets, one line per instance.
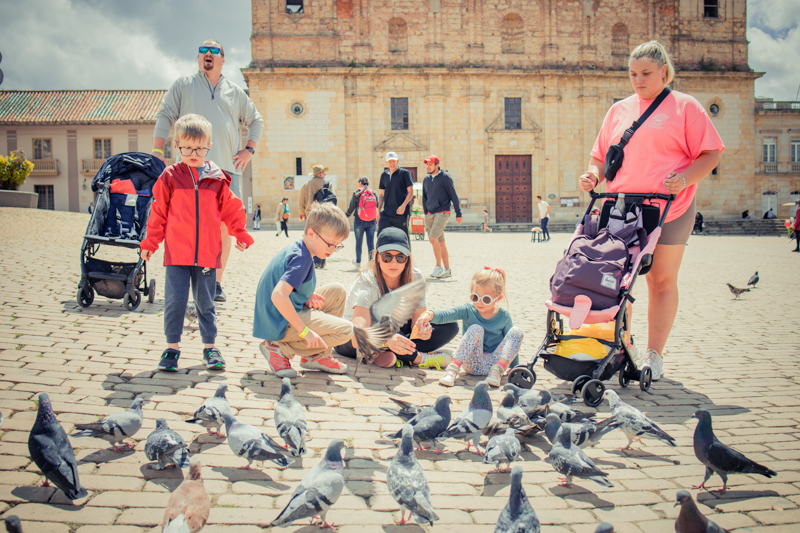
[325, 194]
[367, 206]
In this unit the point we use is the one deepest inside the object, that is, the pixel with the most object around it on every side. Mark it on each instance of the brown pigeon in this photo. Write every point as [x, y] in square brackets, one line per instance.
[690, 519]
[189, 505]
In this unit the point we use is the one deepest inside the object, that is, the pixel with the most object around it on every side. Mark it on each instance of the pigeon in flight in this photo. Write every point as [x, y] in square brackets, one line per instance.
[472, 420]
[290, 420]
[166, 447]
[189, 506]
[407, 484]
[250, 443]
[211, 413]
[753, 280]
[115, 427]
[430, 423]
[633, 422]
[502, 449]
[518, 515]
[690, 519]
[736, 291]
[572, 461]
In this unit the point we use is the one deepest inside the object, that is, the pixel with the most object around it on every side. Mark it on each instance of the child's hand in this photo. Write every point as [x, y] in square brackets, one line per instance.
[241, 246]
[423, 323]
[315, 302]
[146, 255]
[313, 340]
[401, 345]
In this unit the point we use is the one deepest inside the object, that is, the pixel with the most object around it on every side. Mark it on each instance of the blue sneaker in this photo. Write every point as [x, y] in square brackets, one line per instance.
[169, 360]
[213, 359]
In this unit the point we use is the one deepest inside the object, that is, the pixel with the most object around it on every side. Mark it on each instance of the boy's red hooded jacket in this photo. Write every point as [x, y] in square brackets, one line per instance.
[186, 215]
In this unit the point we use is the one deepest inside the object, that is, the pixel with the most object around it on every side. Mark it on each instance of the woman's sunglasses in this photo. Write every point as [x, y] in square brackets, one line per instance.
[485, 299]
[205, 49]
[386, 257]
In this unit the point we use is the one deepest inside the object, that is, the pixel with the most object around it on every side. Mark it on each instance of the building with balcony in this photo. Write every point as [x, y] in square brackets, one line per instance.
[777, 156]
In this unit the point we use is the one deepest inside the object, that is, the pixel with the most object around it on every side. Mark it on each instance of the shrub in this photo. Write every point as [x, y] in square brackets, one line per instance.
[13, 170]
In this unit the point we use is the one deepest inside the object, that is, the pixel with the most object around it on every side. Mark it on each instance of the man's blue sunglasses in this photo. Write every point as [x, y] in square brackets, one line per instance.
[205, 49]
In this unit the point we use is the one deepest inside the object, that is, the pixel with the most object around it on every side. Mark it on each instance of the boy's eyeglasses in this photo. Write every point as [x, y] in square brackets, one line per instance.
[186, 151]
[386, 257]
[485, 299]
[336, 247]
[206, 49]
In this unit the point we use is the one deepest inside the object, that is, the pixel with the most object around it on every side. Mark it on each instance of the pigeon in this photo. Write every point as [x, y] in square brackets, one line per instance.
[116, 427]
[583, 434]
[390, 313]
[430, 423]
[51, 451]
[191, 313]
[567, 413]
[211, 413]
[290, 420]
[1, 419]
[407, 410]
[736, 291]
[188, 507]
[318, 490]
[532, 402]
[518, 515]
[407, 484]
[753, 280]
[249, 442]
[13, 525]
[166, 447]
[572, 461]
[605, 527]
[720, 458]
[473, 419]
[520, 426]
[633, 422]
[502, 449]
[690, 519]
[510, 409]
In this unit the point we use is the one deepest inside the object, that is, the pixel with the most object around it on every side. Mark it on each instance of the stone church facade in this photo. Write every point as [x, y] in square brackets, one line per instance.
[510, 94]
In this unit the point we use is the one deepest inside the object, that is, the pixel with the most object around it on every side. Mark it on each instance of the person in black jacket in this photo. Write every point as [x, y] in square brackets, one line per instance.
[360, 225]
[395, 190]
[438, 192]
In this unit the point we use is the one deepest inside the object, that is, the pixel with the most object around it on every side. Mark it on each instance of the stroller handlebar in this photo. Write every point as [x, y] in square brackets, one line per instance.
[654, 196]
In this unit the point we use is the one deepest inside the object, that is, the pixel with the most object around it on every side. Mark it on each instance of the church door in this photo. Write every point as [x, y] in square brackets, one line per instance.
[512, 175]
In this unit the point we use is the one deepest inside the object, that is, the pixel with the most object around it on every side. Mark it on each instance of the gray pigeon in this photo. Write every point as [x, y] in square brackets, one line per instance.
[290, 420]
[250, 443]
[318, 490]
[211, 413]
[604, 528]
[13, 525]
[690, 519]
[753, 280]
[1, 419]
[166, 447]
[51, 451]
[407, 484]
[430, 423]
[509, 408]
[532, 402]
[633, 422]
[583, 434]
[518, 515]
[470, 423]
[572, 461]
[390, 313]
[407, 410]
[718, 457]
[520, 426]
[116, 427]
[502, 449]
[191, 313]
[567, 413]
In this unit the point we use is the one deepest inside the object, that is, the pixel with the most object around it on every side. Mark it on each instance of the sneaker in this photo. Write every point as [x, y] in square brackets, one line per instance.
[652, 359]
[385, 360]
[356, 264]
[450, 375]
[213, 359]
[446, 273]
[277, 362]
[326, 363]
[169, 360]
[219, 296]
[493, 379]
[437, 359]
[437, 271]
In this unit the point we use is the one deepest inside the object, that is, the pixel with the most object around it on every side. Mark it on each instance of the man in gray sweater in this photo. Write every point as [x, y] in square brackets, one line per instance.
[225, 105]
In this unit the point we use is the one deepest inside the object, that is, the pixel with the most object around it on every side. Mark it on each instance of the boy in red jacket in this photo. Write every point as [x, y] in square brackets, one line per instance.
[190, 200]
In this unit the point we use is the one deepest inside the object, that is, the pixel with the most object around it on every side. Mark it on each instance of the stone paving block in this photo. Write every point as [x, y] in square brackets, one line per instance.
[63, 513]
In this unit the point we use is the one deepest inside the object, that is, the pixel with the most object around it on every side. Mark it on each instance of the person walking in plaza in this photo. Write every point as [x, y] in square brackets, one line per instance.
[257, 218]
[396, 190]
[190, 199]
[671, 153]
[438, 193]
[282, 214]
[544, 217]
[292, 317]
[486, 221]
[388, 271]
[364, 204]
[796, 226]
[307, 193]
[225, 105]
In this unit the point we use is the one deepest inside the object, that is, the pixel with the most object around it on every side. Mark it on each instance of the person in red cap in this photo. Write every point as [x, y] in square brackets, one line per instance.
[438, 192]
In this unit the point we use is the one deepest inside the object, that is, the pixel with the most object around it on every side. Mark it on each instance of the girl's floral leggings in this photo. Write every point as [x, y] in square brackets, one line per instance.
[477, 362]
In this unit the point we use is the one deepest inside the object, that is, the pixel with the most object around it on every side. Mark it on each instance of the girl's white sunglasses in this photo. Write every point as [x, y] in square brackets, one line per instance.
[485, 299]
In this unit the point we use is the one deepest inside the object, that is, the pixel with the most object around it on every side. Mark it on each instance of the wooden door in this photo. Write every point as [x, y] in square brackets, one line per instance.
[513, 202]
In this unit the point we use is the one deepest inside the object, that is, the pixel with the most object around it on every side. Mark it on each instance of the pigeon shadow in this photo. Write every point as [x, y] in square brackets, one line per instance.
[402, 529]
[169, 478]
[106, 456]
[36, 494]
[712, 499]
[637, 453]
[111, 308]
[254, 476]
[590, 498]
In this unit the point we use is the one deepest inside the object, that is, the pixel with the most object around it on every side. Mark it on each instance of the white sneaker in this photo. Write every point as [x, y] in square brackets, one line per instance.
[450, 375]
[356, 264]
[437, 359]
[652, 359]
[447, 273]
[437, 272]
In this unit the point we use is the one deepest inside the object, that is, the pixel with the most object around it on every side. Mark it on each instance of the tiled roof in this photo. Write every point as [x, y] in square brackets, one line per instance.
[79, 107]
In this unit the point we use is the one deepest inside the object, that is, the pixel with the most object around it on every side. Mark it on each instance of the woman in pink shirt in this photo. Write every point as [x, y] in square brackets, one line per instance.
[673, 151]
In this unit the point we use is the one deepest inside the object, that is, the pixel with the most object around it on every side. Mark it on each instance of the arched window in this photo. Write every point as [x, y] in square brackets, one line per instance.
[398, 35]
[512, 34]
[619, 40]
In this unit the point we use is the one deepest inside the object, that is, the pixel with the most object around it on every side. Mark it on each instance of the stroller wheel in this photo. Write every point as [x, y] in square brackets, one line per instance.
[577, 385]
[151, 291]
[624, 380]
[522, 377]
[645, 378]
[592, 392]
[85, 296]
[131, 300]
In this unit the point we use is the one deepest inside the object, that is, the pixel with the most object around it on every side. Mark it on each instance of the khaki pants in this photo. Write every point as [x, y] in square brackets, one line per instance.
[435, 223]
[326, 322]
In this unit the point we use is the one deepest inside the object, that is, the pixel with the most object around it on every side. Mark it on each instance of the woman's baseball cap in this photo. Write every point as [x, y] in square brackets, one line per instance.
[393, 239]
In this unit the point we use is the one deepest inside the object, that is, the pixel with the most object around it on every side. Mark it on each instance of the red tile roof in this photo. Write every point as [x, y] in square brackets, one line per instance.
[79, 107]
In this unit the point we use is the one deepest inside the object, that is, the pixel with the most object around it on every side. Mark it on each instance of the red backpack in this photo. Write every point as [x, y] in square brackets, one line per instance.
[367, 206]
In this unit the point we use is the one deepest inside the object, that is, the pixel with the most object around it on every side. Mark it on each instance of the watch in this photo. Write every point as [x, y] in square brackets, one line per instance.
[250, 149]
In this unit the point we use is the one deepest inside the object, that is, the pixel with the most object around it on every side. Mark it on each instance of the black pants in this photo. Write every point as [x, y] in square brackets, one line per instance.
[545, 233]
[392, 221]
[440, 335]
[285, 227]
[797, 238]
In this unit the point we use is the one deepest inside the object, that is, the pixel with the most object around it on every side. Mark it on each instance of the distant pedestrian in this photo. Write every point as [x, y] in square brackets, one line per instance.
[796, 226]
[698, 223]
[282, 214]
[486, 221]
[396, 189]
[364, 205]
[91, 208]
[544, 216]
[770, 215]
[307, 193]
[438, 193]
[257, 218]
[746, 214]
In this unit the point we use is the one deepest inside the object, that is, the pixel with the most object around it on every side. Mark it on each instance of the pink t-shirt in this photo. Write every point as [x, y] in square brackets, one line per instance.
[670, 140]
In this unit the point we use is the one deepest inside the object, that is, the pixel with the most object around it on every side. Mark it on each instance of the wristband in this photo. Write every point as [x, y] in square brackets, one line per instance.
[304, 333]
[596, 178]
[157, 150]
[684, 180]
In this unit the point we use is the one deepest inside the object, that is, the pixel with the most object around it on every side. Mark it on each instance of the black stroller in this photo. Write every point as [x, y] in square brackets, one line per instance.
[119, 219]
[611, 352]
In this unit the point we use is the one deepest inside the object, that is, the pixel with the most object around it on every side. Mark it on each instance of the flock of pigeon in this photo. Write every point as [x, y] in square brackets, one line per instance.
[521, 413]
[736, 291]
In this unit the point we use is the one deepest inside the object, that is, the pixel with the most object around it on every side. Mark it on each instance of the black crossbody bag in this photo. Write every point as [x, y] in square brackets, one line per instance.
[615, 154]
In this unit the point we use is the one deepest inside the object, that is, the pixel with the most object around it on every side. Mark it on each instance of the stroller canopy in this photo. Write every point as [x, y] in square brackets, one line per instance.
[142, 169]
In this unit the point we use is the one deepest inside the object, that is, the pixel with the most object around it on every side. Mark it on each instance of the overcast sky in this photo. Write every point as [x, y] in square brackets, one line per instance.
[147, 44]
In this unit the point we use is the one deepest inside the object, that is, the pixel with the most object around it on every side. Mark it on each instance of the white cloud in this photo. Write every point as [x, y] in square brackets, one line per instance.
[774, 35]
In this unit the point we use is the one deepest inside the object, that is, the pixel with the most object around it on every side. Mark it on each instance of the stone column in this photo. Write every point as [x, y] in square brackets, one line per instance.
[73, 177]
[551, 100]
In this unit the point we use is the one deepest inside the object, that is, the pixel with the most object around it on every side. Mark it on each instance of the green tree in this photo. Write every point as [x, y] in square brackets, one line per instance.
[14, 169]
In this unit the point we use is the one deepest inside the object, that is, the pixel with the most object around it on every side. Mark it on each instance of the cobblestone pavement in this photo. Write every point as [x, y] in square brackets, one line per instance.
[736, 358]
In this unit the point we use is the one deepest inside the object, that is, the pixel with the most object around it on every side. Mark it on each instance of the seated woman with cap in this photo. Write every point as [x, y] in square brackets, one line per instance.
[389, 270]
